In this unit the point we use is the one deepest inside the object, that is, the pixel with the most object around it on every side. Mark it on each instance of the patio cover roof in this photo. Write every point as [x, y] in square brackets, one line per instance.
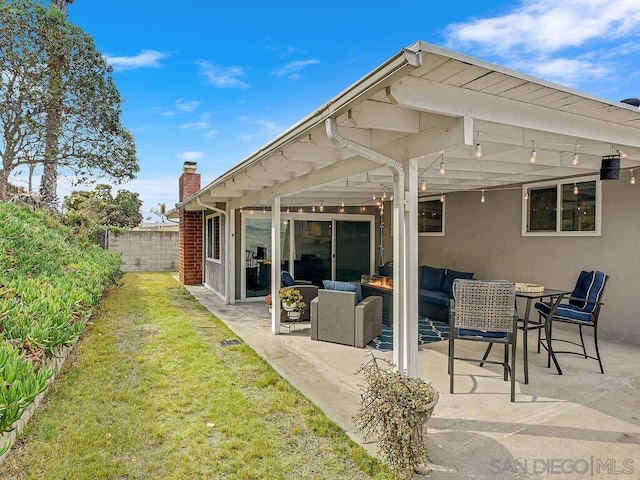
[432, 104]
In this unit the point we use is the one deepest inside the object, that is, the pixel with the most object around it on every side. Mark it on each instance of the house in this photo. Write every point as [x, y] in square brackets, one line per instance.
[433, 158]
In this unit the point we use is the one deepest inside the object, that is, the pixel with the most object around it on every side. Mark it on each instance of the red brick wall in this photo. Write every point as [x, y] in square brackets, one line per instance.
[190, 242]
[190, 248]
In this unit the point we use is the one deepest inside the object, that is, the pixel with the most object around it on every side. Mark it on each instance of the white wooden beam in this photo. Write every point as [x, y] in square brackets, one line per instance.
[383, 116]
[426, 95]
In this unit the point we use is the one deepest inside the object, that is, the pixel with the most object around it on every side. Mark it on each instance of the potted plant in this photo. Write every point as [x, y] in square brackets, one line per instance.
[394, 409]
[297, 312]
[268, 302]
[289, 297]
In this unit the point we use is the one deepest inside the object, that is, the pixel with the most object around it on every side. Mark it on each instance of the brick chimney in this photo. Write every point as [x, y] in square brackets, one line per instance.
[189, 182]
[191, 229]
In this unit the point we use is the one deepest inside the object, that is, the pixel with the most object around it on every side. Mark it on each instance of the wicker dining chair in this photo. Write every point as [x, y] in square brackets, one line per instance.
[484, 311]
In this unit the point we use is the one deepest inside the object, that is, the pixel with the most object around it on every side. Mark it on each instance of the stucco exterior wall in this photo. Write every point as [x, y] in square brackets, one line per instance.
[486, 239]
[146, 251]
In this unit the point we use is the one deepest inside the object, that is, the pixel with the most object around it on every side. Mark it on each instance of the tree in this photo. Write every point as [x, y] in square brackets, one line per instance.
[101, 208]
[83, 103]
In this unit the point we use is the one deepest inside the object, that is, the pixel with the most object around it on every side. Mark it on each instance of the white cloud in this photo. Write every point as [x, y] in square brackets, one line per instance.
[547, 26]
[195, 126]
[190, 155]
[224, 77]
[260, 129]
[211, 133]
[187, 106]
[570, 42]
[291, 69]
[568, 71]
[146, 58]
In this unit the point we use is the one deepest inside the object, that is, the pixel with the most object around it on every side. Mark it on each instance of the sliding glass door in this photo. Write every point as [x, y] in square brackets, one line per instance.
[314, 248]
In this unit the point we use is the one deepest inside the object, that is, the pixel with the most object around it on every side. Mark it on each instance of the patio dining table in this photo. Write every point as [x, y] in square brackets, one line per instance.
[526, 324]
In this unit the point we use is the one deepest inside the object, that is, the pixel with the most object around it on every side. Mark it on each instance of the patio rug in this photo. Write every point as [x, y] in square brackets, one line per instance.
[428, 331]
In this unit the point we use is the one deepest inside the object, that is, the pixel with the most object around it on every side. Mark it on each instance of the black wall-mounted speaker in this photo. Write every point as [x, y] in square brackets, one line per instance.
[610, 167]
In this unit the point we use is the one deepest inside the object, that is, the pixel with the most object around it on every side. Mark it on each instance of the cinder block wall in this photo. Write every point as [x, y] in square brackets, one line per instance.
[146, 251]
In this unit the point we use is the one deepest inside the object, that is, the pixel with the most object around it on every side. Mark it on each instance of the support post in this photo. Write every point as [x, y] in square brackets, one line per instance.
[275, 264]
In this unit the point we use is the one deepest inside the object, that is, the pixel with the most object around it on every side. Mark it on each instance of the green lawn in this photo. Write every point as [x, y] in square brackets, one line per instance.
[150, 393]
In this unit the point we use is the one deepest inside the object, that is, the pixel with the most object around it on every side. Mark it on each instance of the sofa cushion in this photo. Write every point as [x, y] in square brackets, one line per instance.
[433, 297]
[431, 277]
[451, 275]
[344, 287]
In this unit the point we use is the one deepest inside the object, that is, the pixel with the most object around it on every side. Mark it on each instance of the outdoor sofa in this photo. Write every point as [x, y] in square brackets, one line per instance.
[434, 291]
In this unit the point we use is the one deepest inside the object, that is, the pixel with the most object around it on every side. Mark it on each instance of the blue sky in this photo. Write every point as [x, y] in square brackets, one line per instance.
[212, 82]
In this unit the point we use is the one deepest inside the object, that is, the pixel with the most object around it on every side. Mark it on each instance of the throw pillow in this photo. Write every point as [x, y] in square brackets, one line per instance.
[344, 287]
[287, 279]
[447, 283]
[431, 277]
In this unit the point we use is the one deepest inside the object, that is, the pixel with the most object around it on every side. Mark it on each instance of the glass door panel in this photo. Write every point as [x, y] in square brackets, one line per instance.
[257, 257]
[353, 252]
[312, 259]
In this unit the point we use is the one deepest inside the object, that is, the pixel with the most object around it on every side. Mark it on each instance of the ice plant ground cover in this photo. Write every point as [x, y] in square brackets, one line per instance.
[158, 387]
[51, 277]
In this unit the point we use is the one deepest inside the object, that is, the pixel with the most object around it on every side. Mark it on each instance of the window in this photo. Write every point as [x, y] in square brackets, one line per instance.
[562, 208]
[213, 238]
[431, 217]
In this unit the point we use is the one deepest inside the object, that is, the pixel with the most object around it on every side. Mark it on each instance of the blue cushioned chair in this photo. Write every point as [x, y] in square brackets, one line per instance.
[484, 312]
[582, 309]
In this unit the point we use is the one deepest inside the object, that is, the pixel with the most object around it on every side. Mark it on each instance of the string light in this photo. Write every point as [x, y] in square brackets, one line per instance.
[342, 203]
[367, 179]
[482, 197]
[321, 206]
[534, 154]
[575, 188]
[632, 180]
[313, 208]
[287, 209]
[478, 152]
[576, 157]
[424, 186]
[442, 169]
[441, 197]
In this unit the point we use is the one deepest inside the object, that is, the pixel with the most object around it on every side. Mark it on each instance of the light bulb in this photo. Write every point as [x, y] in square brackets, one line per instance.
[478, 153]
[576, 159]
[321, 206]
[526, 195]
[342, 204]
[632, 181]
[442, 198]
[534, 155]
[313, 209]
[424, 186]
[575, 189]
[442, 169]
[482, 197]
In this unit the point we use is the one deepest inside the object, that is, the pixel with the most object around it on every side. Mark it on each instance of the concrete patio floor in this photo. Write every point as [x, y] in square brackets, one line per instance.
[579, 425]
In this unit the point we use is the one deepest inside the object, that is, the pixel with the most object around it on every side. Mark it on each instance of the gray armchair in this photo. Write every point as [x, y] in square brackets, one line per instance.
[337, 317]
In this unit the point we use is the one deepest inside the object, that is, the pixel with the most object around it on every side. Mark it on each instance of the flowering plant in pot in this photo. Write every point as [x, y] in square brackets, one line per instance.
[290, 297]
[394, 409]
[267, 301]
